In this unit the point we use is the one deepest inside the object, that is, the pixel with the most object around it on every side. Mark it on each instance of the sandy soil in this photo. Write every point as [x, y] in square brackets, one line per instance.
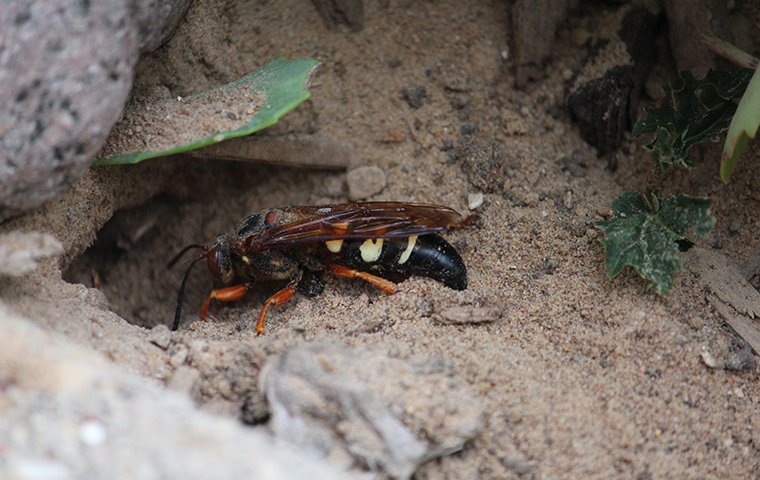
[579, 377]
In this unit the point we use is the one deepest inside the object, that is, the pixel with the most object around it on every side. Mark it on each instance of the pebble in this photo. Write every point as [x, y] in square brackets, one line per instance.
[415, 96]
[20, 251]
[160, 336]
[474, 200]
[466, 315]
[363, 182]
[92, 433]
[568, 200]
[708, 358]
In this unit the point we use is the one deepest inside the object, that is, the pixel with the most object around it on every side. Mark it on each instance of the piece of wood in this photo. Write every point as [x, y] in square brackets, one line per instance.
[729, 51]
[744, 327]
[292, 151]
[732, 296]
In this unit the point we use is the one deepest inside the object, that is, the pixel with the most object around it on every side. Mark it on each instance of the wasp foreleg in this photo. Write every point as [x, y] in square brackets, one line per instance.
[379, 282]
[227, 294]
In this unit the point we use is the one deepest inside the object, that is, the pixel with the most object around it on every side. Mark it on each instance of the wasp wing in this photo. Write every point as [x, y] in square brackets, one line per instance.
[357, 221]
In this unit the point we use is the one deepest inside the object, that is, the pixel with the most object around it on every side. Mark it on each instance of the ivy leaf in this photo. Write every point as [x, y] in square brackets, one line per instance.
[744, 126]
[645, 235]
[694, 111]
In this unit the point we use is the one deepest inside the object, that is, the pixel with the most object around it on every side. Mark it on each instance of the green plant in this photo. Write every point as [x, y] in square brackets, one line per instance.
[743, 127]
[279, 86]
[645, 232]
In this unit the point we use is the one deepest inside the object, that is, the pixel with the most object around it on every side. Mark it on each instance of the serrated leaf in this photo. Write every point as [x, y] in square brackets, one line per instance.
[645, 235]
[281, 85]
[744, 126]
[695, 111]
[687, 216]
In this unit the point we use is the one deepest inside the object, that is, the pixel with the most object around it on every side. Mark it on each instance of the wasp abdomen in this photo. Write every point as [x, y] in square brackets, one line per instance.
[399, 258]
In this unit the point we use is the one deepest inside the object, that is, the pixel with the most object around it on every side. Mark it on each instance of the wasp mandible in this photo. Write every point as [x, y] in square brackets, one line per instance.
[378, 242]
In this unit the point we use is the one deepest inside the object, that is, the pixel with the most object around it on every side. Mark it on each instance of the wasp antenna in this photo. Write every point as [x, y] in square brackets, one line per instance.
[184, 251]
[181, 296]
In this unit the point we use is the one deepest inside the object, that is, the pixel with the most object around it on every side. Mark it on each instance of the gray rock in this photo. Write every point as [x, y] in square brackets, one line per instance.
[65, 73]
[361, 407]
[68, 413]
[20, 251]
[157, 19]
[160, 336]
[66, 68]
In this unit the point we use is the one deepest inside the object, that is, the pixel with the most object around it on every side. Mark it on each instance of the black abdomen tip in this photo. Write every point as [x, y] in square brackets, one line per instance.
[435, 258]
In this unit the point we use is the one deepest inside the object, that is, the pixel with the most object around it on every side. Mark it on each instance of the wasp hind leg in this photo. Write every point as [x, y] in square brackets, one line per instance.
[385, 285]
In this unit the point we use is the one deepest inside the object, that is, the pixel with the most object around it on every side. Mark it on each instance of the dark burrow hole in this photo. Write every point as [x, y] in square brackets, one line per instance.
[128, 260]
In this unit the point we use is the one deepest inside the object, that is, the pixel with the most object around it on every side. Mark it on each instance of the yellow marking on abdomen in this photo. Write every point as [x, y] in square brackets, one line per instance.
[410, 242]
[371, 249]
[334, 245]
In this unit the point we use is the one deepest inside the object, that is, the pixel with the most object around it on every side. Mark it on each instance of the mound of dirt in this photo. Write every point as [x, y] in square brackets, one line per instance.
[572, 376]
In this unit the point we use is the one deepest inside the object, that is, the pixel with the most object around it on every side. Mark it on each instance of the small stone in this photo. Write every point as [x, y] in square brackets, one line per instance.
[363, 182]
[466, 314]
[160, 336]
[468, 128]
[415, 96]
[474, 200]
[709, 359]
[20, 251]
[92, 433]
[568, 200]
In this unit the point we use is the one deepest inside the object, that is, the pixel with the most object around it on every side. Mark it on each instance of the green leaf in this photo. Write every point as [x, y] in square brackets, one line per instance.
[695, 111]
[644, 235]
[264, 95]
[743, 127]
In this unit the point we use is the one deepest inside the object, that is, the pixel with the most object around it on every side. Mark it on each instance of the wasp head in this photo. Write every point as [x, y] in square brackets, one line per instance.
[219, 261]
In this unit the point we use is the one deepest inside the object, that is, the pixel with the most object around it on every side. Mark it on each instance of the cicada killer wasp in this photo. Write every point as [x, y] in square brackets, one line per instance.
[378, 242]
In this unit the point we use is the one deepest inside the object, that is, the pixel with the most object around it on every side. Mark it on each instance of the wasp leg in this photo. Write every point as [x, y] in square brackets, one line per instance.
[227, 294]
[277, 299]
[381, 283]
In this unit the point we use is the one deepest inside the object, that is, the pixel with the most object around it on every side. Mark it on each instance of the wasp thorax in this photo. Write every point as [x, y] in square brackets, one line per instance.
[252, 224]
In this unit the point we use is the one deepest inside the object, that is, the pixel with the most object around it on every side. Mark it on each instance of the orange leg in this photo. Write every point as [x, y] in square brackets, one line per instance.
[381, 283]
[277, 299]
[227, 294]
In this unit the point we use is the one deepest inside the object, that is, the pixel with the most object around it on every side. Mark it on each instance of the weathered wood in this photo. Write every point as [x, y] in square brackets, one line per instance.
[291, 151]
